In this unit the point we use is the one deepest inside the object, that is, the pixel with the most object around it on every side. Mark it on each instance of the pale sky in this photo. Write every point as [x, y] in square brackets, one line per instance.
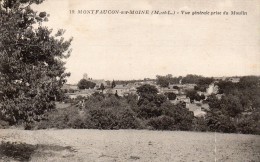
[138, 46]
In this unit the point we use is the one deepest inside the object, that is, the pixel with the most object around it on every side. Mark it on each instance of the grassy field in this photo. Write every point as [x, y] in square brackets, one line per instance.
[136, 145]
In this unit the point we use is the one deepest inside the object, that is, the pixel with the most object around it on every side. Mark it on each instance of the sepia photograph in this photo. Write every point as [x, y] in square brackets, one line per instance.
[129, 81]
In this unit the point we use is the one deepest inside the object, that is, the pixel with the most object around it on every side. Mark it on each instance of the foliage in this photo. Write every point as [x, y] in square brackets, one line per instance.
[249, 82]
[113, 84]
[216, 121]
[17, 151]
[161, 123]
[182, 116]
[238, 108]
[111, 101]
[249, 124]
[107, 118]
[193, 95]
[199, 124]
[149, 102]
[147, 92]
[32, 69]
[85, 84]
[148, 110]
[102, 87]
[191, 79]
[60, 118]
[171, 95]
[229, 114]
[164, 81]
[203, 84]
[176, 87]
[3, 124]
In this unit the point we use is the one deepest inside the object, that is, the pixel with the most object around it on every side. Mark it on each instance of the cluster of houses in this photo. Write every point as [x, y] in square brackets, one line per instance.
[197, 107]
[131, 88]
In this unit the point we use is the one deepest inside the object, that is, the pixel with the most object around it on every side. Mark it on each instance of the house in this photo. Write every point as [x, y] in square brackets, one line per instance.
[219, 78]
[188, 86]
[132, 90]
[69, 88]
[219, 96]
[181, 98]
[121, 90]
[212, 89]
[234, 79]
[82, 93]
[168, 90]
[197, 110]
[199, 113]
[205, 107]
[98, 82]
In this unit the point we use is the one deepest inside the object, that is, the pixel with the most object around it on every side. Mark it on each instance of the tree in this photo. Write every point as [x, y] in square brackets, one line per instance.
[193, 95]
[171, 95]
[85, 84]
[147, 91]
[113, 84]
[164, 81]
[203, 84]
[32, 63]
[191, 79]
[249, 82]
[102, 87]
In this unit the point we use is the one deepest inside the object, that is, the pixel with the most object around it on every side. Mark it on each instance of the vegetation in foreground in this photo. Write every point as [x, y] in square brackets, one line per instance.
[23, 152]
[17, 151]
[232, 113]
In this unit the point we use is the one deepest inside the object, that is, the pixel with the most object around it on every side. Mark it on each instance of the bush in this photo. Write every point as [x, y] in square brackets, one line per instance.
[103, 118]
[162, 123]
[127, 119]
[171, 95]
[249, 124]
[110, 118]
[17, 151]
[3, 124]
[149, 110]
[199, 124]
[111, 102]
[61, 118]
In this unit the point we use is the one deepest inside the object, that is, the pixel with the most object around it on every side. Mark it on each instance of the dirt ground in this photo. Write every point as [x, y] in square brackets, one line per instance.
[137, 145]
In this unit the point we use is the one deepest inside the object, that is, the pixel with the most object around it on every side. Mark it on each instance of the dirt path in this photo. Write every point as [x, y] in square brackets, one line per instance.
[139, 145]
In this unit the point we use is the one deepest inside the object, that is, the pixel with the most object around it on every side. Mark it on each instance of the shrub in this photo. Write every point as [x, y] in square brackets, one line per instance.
[127, 119]
[110, 118]
[199, 124]
[17, 151]
[249, 124]
[149, 110]
[61, 118]
[3, 124]
[162, 123]
[171, 95]
[103, 118]
[111, 102]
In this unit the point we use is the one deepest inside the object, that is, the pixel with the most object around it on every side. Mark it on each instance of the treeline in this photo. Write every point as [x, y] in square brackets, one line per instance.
[238, 110]
[235, 109]
[125, 82]
[201, 82]
[150, 111]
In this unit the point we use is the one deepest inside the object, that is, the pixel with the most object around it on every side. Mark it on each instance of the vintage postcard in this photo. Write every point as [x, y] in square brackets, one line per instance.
[129, 80]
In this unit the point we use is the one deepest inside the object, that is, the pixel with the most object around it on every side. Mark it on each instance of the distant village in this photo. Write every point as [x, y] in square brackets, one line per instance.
[197, 107]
